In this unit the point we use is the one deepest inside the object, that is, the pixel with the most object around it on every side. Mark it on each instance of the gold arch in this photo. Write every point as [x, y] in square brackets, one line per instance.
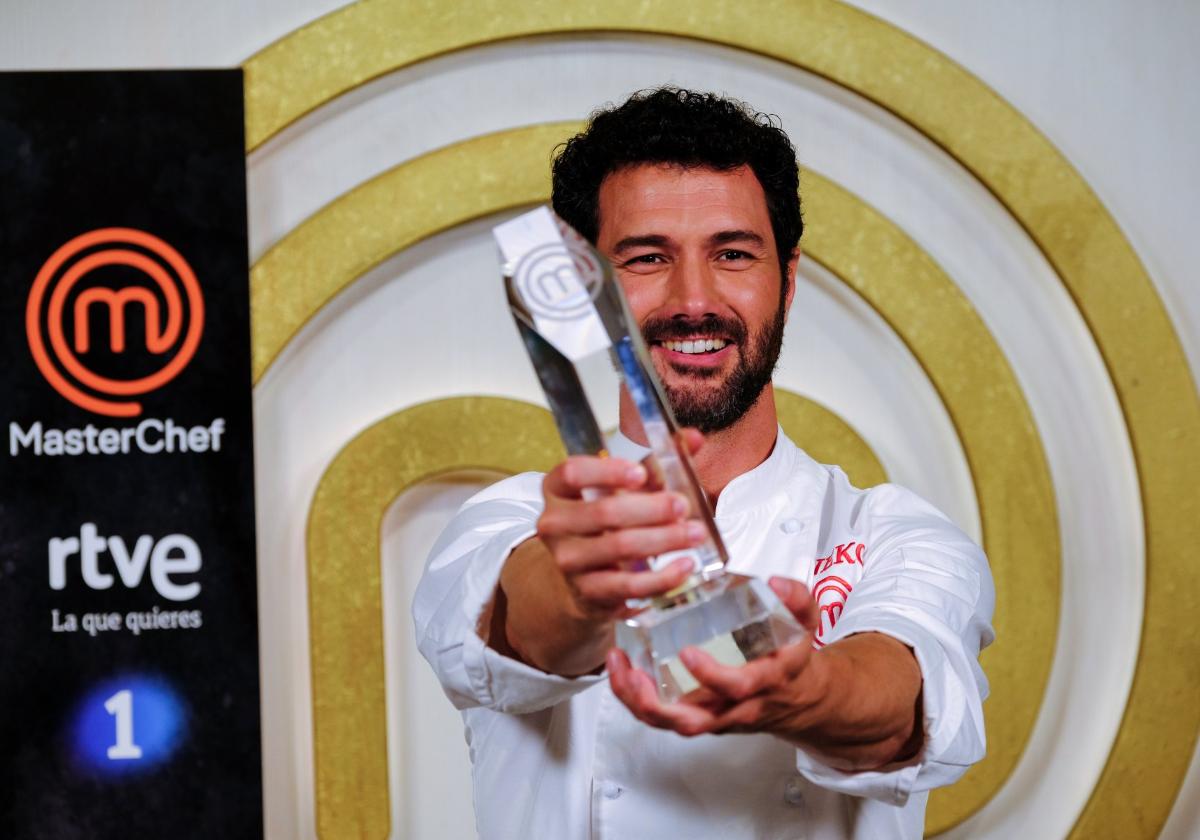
[856, 244]
[344, 578]
[344, 574]
[387, 214]
[1009, 156]
[828, 438]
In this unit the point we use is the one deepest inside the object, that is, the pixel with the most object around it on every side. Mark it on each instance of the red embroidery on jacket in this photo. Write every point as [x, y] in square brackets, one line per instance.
[841, 554]
[831, 591]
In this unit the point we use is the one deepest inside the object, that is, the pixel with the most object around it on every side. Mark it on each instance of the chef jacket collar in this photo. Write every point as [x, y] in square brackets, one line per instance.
[762, 485]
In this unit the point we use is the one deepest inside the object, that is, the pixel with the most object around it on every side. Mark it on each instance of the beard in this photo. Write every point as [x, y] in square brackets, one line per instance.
[699, 402]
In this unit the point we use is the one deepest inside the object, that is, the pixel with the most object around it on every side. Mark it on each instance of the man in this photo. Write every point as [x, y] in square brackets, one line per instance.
[693, 198]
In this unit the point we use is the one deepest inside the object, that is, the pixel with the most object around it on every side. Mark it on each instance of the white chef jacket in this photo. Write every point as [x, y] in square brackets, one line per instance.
[561, 758]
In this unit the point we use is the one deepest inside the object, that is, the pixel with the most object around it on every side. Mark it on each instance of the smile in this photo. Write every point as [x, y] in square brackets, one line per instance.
[696, 346]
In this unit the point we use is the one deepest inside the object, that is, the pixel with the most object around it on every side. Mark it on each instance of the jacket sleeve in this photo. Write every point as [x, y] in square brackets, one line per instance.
[928, 585]
[459, 581]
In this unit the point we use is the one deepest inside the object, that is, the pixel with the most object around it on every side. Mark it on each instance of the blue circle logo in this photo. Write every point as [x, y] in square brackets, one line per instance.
[128, 724]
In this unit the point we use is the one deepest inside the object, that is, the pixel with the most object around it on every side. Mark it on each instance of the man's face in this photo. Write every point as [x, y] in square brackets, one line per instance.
[695, 254]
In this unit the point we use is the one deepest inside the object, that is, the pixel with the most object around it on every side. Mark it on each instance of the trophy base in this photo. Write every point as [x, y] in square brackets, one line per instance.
[733, 618]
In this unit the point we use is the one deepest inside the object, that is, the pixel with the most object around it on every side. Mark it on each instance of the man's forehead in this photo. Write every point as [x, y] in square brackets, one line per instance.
[668, 194]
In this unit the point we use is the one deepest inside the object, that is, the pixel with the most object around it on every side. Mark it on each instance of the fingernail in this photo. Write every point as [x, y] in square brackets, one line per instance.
[688, 657]
[636, 474]
[612, 661]
[679, 505]
[683, 564]
[696, 531]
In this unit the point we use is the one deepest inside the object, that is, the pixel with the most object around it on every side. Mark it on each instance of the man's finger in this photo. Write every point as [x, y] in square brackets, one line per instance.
[793, 659]
[744, 717]
[692, 438]
[631, 544]
[708, 699]
[636, 690]
[569, 478]
[576, 555]
[607, 587]
[736, 682]
[799, 601]
[624, 510]
[640, 695]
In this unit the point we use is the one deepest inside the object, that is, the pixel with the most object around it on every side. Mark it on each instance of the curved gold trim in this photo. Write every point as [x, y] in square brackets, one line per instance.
[345, 580]
[1009, 156]
[828, 438]
[856, 244]
[1012, 481]
[412, 201]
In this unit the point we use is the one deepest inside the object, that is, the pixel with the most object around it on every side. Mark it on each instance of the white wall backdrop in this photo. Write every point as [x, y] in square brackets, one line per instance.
[1109, 82]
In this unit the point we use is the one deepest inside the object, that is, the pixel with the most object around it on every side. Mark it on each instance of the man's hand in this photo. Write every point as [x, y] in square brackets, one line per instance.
[560, 592]
[856, 702]
[595, 542]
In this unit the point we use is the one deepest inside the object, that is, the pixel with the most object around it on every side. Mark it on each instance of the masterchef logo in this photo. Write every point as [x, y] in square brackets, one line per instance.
[830, 591]
[113, 314]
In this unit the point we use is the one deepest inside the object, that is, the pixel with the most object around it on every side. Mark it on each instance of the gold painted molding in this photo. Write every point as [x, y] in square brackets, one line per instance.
[410, 202]
[828, 439]
[344, 580]
[856, 244]
[1006, 153]
[1008, 467]
[345, 577]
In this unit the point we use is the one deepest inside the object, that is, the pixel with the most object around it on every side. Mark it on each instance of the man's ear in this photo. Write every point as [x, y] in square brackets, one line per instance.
[792, 262]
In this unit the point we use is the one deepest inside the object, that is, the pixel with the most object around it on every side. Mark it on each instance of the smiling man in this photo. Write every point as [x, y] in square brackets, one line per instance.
[693, 197]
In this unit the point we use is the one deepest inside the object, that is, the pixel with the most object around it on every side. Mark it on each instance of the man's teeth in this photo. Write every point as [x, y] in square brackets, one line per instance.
[703, 345]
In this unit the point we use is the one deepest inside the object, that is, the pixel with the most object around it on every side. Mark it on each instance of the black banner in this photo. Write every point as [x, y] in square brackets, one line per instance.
[129, 702]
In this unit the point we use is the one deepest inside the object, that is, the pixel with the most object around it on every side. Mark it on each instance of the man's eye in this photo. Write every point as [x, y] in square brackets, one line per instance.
[644, 259]
[730, 256]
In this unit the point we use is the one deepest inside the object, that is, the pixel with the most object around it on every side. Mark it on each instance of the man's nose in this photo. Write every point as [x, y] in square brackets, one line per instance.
[693, 290]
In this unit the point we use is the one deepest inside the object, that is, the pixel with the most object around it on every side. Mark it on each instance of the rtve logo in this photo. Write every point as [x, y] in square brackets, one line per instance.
[73, 297]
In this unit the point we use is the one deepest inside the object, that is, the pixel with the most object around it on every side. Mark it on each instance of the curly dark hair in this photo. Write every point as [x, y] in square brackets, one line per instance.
[689, 128]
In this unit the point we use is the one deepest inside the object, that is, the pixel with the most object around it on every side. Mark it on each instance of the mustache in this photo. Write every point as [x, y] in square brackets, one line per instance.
[655, 330]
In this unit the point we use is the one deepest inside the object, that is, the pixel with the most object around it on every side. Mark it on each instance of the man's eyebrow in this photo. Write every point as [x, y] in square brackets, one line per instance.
[654, 240]
[651, 240]
[726, 237]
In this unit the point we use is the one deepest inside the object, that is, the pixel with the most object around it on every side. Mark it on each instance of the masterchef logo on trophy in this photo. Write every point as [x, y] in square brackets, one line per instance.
[84, 308]
[548, 278]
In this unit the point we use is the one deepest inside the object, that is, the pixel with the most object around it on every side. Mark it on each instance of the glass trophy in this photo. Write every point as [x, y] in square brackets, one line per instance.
[590, 358]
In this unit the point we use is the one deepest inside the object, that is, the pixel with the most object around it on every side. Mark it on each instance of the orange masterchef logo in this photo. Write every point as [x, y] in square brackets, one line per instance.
[173, 318]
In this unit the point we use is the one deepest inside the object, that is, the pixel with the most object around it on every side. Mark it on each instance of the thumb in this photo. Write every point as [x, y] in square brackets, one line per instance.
[692, 438]
[796, 597]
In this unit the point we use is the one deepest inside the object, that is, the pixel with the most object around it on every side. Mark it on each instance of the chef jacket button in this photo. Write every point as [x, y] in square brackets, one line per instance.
[791, 526]
[793, 793]
[610, 790]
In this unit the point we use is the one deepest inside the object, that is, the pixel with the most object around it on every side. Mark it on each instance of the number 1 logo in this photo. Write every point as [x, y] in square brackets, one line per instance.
[120, 706]
[129, 724]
